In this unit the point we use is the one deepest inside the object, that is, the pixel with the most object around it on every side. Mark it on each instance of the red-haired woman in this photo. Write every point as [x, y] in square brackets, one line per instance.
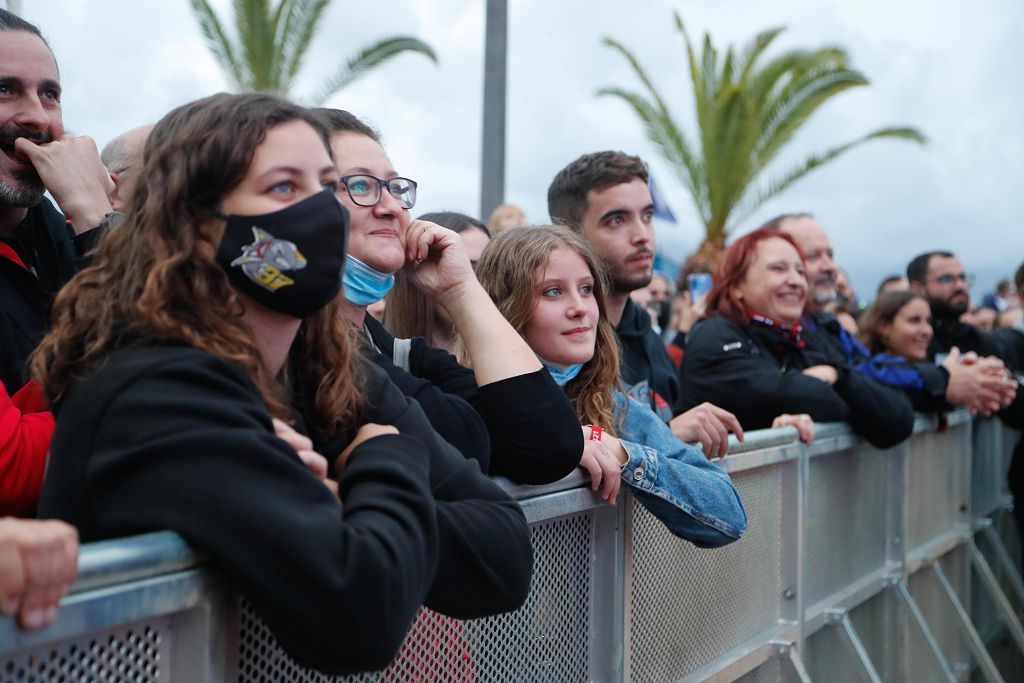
[750, 355]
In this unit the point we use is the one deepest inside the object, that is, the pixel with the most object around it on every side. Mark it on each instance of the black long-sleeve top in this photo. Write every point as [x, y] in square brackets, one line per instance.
[170, 437]
[757, 373]
[526, 422]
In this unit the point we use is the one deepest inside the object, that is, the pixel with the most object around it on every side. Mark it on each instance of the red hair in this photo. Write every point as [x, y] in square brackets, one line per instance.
[732, 270]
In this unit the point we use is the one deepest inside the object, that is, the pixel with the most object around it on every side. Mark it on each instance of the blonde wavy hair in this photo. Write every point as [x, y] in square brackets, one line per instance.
[508, 270]
[155, 279]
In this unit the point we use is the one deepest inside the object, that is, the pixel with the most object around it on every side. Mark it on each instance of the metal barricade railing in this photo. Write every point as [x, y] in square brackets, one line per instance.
[859, 564]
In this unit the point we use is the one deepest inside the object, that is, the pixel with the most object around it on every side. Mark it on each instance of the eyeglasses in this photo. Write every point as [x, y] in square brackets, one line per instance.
[950, 278]
[365, 190]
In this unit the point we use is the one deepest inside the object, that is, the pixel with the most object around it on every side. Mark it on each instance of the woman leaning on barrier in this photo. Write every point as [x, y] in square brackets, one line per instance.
[546, 281]
[753, 357]
[506, 404]
[897, 329]
[210, 319]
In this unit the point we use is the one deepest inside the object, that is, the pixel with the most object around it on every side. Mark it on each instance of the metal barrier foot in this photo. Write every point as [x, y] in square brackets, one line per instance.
[988, 579]
[1004, 559]
[988, 667]
[840, 619]
[903, 589]
[788, 651]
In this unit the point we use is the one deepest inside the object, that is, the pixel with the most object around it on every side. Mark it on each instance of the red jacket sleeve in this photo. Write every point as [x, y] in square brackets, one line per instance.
[25, 430]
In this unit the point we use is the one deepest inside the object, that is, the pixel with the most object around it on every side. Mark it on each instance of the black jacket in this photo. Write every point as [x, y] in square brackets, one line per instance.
[756, 373]
[49, 254]
[170, 437]
[647, 370]
[526, 422]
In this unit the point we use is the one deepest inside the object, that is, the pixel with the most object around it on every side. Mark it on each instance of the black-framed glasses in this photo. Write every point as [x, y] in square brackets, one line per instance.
[365, 190]
[950, 278]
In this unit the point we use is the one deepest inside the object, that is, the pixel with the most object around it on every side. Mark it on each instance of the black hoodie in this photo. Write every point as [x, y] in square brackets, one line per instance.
[647, 370]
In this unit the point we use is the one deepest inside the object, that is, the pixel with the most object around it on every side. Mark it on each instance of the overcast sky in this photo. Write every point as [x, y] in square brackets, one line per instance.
[950, 68]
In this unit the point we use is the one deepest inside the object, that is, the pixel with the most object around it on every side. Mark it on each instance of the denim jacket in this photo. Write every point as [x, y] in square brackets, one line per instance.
[691, 496]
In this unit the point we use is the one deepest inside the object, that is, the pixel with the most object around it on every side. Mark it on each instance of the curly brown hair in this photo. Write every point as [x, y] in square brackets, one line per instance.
[508, 270]
[155, 278]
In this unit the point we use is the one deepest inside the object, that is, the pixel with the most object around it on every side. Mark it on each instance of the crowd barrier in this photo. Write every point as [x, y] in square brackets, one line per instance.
[859, 565]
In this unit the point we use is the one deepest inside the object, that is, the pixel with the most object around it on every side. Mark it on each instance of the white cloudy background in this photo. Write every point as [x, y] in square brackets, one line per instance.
[950, 68]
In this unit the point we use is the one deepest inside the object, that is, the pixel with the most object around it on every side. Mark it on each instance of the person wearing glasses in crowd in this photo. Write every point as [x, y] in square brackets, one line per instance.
[506, 412]
[205, 382]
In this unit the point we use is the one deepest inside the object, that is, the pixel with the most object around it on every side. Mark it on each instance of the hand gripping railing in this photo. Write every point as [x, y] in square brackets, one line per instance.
[859, 565]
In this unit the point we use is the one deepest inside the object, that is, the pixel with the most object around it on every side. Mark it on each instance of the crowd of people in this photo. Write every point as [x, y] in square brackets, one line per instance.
[229, 325]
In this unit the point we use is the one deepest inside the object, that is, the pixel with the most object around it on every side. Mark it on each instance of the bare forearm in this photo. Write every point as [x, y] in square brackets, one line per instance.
[496, 349]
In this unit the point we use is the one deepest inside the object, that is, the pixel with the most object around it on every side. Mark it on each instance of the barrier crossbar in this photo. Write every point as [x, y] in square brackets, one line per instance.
[859, 564]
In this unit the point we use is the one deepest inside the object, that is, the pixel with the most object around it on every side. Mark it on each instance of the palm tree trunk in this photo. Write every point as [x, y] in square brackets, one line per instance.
[706, 258]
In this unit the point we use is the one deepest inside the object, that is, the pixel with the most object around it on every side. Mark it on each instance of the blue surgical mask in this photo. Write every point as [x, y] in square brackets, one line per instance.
[363, 284]
[562, 376]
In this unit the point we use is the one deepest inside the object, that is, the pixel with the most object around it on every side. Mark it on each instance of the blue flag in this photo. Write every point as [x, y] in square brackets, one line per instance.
[661, 209]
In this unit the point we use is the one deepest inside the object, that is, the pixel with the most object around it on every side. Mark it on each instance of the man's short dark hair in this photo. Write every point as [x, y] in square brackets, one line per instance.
[917, 269]
[776, 223]
[9, 21]
[341, 121]
[567, 194]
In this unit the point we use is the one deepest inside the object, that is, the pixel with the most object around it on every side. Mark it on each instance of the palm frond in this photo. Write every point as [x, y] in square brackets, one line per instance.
[296, 34]
[253, 21]
[797, 105]
[371, 57]
[748, 108]
[784, 181]
[754, 49]
[218, 42]
[668, 139]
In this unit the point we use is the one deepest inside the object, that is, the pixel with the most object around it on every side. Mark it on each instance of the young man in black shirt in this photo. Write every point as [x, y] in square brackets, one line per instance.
[605, 197]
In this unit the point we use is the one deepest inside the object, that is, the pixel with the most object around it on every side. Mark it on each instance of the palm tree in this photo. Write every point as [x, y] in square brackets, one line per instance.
[273, 40]
[747, 110]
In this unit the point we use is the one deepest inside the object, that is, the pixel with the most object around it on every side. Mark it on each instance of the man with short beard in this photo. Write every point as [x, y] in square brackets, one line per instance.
[605, 198]
[39, 247]
[939, 277]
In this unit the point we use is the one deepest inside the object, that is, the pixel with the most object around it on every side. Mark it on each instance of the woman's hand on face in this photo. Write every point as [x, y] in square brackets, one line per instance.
[436, 258]
[826, 373]
[316, 463]
[603, 465]
[803, 423]
[370, 430]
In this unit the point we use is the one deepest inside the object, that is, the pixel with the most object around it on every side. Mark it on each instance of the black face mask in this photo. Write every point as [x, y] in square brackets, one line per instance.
[291, 260]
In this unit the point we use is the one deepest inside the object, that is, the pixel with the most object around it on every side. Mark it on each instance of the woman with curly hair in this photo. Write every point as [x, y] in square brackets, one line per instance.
[211, 319]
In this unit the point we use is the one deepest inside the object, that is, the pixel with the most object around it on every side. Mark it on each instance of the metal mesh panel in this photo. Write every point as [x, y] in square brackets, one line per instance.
[544, 641]
[132, 654]
[827, 658]
[689, 606]
[846, 520]
[933, 499]
[769, 672]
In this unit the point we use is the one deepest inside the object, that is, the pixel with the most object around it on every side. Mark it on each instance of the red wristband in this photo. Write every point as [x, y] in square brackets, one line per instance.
[595, 433]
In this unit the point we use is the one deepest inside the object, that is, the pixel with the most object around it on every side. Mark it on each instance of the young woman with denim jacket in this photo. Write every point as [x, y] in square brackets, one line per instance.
[546, 282]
